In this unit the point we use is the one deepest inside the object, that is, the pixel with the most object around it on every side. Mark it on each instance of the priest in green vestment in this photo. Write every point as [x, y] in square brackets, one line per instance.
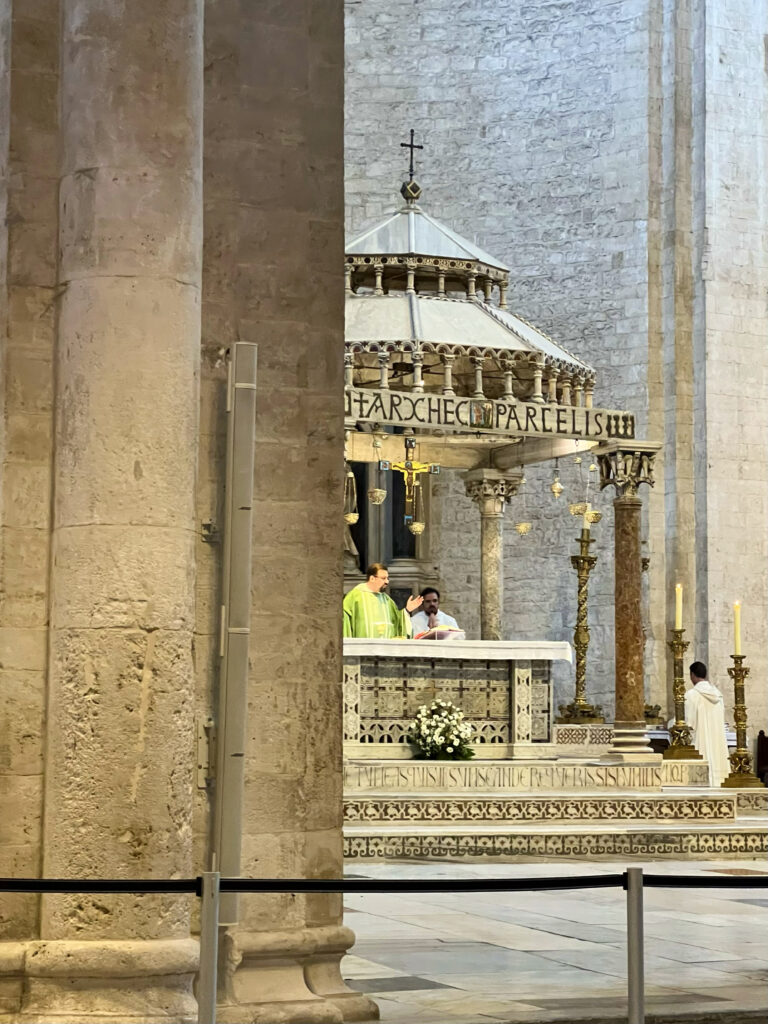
[368, 612]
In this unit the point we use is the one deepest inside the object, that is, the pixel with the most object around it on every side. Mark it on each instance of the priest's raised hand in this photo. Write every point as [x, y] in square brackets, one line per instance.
[413, 603]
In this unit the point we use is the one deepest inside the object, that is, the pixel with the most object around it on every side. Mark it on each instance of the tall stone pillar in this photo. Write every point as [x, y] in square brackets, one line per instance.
[491, 489]
[273, 275]
[626, 467]
[29, 170]
[120, 742]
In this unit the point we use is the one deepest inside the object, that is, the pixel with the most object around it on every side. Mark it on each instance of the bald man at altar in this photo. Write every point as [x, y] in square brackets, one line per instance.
[369, 612]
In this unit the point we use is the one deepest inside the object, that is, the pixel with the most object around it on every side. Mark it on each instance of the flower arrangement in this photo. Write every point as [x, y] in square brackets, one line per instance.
[439, 731]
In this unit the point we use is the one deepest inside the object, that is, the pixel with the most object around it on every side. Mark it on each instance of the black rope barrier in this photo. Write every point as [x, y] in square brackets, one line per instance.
[102, 885]
[413, 885]
[697, 882]
[169, 886]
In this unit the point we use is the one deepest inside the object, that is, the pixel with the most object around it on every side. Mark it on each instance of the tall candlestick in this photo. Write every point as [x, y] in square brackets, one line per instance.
[679, 606]
[737, 627]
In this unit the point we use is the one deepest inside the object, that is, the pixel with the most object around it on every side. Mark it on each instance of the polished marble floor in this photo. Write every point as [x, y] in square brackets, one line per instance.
[468, 958]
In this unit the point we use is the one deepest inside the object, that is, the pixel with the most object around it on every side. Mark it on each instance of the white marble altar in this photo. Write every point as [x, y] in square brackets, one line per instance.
[503, 687]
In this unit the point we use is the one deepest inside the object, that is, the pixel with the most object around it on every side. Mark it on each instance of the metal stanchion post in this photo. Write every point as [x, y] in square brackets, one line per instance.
[209, 948]
[635, 950]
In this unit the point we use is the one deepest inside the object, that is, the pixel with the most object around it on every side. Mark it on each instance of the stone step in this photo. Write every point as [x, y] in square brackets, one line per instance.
[536, 808]
[378, 841]
[478, 777]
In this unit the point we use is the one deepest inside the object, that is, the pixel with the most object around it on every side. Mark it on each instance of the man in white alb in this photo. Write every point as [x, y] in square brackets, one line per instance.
[705, 714]
[430, 615]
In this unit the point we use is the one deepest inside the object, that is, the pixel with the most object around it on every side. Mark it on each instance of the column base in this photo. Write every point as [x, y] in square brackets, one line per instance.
[734, 781]
[681, 747]
[291, 977]
[630, 745]
[685, 752]
[104, 981]
[580, 714]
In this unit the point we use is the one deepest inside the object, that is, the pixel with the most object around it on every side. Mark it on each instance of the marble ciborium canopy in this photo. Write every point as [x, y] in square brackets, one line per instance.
[432, 349]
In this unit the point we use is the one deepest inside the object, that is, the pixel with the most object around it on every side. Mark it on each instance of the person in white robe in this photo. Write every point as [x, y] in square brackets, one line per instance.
[430, 616]
[705, 714]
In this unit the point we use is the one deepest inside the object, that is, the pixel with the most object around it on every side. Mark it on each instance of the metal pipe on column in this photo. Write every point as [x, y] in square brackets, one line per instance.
[209, 947]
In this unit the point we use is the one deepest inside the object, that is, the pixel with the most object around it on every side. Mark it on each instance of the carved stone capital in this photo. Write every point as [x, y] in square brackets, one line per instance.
[626, 466]
[490, 489]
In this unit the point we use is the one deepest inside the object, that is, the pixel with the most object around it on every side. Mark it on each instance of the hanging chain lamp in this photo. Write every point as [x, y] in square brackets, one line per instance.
[417, 525]
[523, 526]
[578, 508]
[351, 515]
[377, 495]
[593, 514]
[556, 487]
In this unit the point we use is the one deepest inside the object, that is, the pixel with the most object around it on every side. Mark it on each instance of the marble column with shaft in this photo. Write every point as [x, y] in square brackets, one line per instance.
[491, 489]
[625, 467]
[120, 736]
[274, 255]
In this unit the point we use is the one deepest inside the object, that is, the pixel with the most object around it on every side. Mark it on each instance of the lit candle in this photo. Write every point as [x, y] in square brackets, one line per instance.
[586, 517]
[679, 606]
[737, 628]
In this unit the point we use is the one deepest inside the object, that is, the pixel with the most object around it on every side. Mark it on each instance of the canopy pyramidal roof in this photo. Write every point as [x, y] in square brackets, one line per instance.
[414, 283]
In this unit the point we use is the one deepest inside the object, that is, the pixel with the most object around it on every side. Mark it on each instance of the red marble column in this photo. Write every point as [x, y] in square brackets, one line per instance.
[629, 717]
[625, 467]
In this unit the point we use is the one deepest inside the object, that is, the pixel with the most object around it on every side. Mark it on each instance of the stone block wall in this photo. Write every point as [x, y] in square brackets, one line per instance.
[734, 483]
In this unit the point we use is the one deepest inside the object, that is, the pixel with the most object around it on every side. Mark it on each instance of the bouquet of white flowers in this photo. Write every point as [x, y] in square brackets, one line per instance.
[439, 731]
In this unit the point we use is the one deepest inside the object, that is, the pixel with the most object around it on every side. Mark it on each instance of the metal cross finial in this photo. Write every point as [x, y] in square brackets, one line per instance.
[410, 145]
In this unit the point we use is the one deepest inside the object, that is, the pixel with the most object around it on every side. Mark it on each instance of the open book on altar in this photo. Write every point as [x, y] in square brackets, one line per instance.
[441, 633]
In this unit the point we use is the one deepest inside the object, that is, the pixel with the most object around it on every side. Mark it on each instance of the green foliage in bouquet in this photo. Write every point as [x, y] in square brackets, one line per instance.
[439, 732]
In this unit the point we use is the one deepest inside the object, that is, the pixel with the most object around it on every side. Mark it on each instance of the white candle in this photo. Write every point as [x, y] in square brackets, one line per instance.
[737, 627]
[679, 606]
[586, 517]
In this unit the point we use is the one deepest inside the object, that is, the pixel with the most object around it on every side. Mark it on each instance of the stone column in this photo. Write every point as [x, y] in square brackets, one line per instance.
[625, 467]
[120, 742]
[28, 213]
[490, 489]
[274, 253]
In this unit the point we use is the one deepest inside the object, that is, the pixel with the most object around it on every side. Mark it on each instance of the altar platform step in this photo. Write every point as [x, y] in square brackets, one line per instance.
[514, 808]
[564, 775]
[513, 841]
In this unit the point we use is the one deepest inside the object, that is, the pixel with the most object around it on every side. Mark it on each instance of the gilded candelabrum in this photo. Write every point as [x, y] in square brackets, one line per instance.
[742, 776]
[580, 711]
[681, 746]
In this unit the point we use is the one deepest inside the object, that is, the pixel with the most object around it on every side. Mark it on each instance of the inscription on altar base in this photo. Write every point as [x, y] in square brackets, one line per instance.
[417, 775]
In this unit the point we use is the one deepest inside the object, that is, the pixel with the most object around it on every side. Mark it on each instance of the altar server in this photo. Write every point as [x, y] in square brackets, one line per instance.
[705, 714]
[369, 612]
[430, 615]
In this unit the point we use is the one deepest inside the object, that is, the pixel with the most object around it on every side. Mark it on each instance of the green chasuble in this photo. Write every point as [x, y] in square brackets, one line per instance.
[373, 615]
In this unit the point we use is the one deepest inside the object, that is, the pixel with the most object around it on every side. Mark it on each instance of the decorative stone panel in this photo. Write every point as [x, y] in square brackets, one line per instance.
[501, 699]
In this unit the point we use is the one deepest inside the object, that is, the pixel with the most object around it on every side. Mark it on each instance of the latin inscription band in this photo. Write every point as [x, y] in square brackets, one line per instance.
[515, 419]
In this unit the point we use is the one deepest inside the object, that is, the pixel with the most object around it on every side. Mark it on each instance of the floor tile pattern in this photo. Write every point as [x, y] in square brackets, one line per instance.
[469, 958]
